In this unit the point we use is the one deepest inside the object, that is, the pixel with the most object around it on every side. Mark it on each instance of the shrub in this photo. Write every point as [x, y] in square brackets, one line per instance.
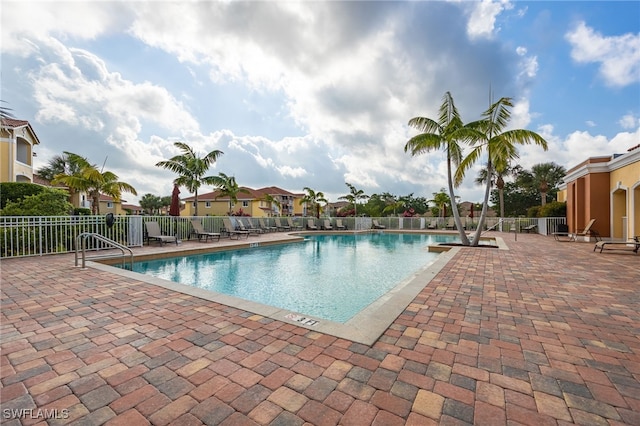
[16, 191]
[533, 211]
[553, 209]
[49, 202]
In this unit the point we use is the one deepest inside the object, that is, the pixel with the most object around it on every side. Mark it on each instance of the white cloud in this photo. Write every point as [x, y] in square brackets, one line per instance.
[618, 56]
[629, 121]
[482, 20]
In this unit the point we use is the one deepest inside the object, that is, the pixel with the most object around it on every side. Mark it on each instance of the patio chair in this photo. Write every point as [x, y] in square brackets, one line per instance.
[265, 227]
[281, 227]
[451, 223]
[154, 233]
[530, 228]
[340, 225]
[248, 226]
[200, 232]
[588, 231]
[293, 225]
[311, 225]
[432, 225]
[327, 225]
[633, 245]
[232, 231]
[376, 225]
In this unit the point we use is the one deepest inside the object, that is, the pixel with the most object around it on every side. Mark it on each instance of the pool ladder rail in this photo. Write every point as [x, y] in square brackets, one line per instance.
[81, 246]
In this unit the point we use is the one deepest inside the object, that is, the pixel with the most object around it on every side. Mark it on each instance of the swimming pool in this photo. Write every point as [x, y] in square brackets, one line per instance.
[331, 277]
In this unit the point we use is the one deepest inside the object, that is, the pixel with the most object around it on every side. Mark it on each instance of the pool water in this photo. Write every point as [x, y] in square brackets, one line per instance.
[327, 276]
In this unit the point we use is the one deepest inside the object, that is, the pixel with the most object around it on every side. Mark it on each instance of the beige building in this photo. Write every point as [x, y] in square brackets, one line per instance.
[606, 189]
[17, 143]
[264, 202]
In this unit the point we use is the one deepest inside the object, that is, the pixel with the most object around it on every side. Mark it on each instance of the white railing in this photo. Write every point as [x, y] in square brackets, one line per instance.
[39, 235]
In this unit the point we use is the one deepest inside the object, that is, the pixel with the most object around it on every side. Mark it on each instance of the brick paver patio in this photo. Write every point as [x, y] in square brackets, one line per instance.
[543, 333]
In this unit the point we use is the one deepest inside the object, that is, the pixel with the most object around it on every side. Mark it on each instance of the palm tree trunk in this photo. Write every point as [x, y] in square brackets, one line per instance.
[454, 208]
[543, 195]
[485, 203]
[501, 195]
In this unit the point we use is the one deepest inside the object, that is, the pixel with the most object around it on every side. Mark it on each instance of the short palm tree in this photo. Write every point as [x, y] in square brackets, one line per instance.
[354, 195]
[228, 187]
[272, 201]
[498, 180]
[93, 181]
[315, 199]
[500, 147]
[443, 133]
[191, 169]
[545, 176]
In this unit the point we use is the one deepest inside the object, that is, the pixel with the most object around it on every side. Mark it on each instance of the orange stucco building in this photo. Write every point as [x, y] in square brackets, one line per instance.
[606, 189]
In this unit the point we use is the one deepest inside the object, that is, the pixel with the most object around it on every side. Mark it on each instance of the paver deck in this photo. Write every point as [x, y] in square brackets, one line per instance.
[542, 333]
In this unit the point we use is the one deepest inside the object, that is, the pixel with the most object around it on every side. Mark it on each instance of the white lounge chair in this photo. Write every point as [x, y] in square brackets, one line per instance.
[154, 233]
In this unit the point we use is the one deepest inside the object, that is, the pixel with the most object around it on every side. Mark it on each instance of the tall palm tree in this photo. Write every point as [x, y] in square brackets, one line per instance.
[5, 112]
[191, 169]
[500, 147]
[445, 133]
[67, 163]
[93, 181]
[314, 198]
[354, 195]
[228, 187]
[546, 176]
[498, 180]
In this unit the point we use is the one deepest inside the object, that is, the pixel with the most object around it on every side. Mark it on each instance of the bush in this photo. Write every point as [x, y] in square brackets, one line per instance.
[533, 211]
[49, 202]
[81, 211]
[553, 209]
[16, 191]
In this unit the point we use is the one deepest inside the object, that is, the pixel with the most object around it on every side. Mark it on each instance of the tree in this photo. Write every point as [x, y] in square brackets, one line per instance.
[314, 198]
[441, 199]
[48, 202]
[273, 201]
[5, 112]
[151, 203]
[353, 197]
[95, 182]
[228, 187]
[498, 180]
[442, 134]
[500, 147]
[191, 169]
[544, 177]
[67, 163]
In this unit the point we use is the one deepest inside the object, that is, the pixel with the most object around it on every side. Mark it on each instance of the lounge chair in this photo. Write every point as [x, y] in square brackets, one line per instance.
[265, 227]
[633, 245]
[588, 231]
[281, 227]
[432, 225]
[530, 228]
[247, 226]
[200, 232]
[327, 225]
[451, 223]
[376, 225]
[339, 225]
[232, 231]
[311, 225]
[293, 225]
[154, 233]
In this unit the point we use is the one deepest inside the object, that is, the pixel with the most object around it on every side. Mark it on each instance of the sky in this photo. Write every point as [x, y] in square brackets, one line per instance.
[316, 93]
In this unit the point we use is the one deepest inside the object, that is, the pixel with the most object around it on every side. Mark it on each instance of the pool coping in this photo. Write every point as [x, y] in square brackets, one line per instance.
[365, 327]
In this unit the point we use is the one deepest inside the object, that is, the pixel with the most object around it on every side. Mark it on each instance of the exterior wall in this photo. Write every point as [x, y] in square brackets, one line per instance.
[606, 189]
[16, 155]
[5, 169]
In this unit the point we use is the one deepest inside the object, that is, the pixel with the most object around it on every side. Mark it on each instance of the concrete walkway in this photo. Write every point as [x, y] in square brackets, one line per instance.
[543, 333]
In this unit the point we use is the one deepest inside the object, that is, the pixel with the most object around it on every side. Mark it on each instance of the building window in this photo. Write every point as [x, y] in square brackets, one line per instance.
[109, 205]
[207, 204]
[23, 152]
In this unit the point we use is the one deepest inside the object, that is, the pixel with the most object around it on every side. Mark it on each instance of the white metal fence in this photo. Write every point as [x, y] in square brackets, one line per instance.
[37, 236]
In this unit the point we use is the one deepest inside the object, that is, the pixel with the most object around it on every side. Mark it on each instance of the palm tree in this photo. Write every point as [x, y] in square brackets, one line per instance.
[500, 147]
[93, 181]
[314, 198]
[441, 199]
[546, 176]
[67, 163]
[498, 180]
[442, 134]
[273, 201]
[228, 187]
[191, 169]
[353, 197]
[5, 112]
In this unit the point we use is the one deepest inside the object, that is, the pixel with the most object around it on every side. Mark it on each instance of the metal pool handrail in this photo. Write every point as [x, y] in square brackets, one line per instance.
[81, 242]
